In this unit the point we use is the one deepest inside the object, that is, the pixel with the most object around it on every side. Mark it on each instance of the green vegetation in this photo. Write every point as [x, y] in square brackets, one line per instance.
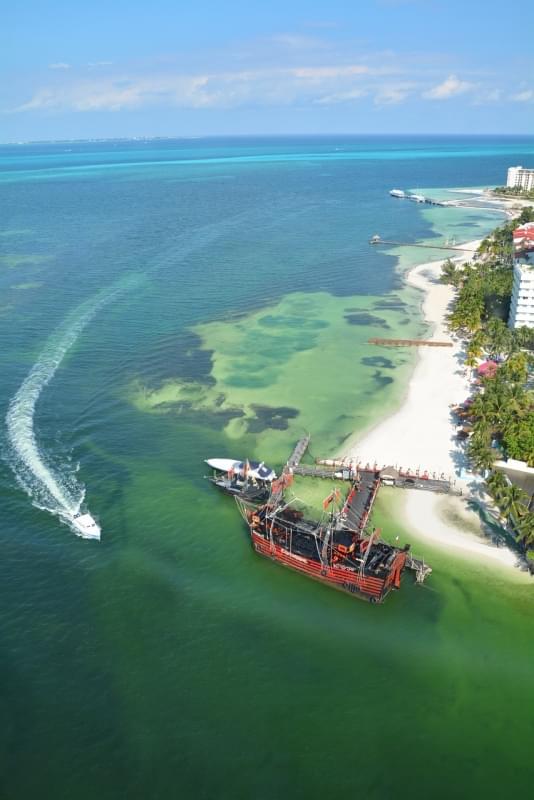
[501, 415]
[514, 191]
[483, 294]
[513, 503]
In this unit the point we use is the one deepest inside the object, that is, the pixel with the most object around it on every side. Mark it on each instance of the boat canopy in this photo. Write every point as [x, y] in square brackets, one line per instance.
[251, 469]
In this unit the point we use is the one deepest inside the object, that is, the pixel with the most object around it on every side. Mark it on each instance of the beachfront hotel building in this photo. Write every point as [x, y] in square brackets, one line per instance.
[522, 305]
[521, 178]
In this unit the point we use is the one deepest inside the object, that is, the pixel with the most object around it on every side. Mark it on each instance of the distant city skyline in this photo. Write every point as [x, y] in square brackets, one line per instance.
[73, 71]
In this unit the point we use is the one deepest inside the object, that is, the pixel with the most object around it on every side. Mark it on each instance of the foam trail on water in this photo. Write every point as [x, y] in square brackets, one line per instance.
[56, 488]
[52, 488]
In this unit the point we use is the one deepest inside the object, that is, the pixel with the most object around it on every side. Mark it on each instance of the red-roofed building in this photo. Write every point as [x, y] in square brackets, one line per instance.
[524, 237]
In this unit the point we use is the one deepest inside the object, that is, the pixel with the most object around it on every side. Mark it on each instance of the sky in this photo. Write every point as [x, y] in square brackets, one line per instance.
[93, 69]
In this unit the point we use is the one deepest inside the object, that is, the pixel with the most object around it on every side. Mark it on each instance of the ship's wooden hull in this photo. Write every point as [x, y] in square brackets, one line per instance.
[367, 587]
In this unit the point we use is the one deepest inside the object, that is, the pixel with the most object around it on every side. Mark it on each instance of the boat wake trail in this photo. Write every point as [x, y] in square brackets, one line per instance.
[54, 488]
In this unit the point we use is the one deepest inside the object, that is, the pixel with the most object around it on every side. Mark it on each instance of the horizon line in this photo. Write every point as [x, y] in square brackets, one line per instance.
[190, 137]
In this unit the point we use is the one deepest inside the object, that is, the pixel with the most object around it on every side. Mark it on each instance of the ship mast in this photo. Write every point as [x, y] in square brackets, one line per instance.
[375, 534]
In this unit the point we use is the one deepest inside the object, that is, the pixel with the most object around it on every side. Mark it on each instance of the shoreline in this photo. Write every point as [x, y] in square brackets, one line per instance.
[420, 434]
[437, 381]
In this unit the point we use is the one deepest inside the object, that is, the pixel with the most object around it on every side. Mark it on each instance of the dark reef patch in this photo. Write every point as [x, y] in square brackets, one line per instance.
[378, 361]
[172, 356]
[299, 322]
[364, 318]
[394, 304]
[275, 417]
[188, 413]
[381, 380]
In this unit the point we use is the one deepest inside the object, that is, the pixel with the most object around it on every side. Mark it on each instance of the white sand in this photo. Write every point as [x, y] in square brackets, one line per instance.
[447, 522]
[421, 434]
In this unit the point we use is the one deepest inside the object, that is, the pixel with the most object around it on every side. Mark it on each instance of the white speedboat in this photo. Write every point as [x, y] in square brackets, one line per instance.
[417, 198]
[85, 526]
[252, 469]
[397, 193]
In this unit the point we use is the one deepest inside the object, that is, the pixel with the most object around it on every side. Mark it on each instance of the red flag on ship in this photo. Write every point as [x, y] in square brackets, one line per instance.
[333, 497]
[285, 480]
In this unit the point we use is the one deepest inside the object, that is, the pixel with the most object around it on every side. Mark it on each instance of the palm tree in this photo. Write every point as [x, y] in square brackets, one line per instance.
[498, 405]
[512, 503]
[480, 452]
[449, 273]
[524, 337]
[498, 337]
[497, 484]
[471, 359]
[516, 367]
[525, 529]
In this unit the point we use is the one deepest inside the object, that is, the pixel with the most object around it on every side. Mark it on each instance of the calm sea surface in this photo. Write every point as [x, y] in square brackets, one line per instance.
[164, 302]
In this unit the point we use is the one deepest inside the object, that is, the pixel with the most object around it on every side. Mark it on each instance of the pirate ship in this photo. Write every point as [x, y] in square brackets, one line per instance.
[338, 548]
[332, 550]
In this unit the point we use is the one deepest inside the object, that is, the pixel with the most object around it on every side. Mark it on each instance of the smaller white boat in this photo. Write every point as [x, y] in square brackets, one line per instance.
[417, 198]
[85, 526]
[397, 193]
[252, 469]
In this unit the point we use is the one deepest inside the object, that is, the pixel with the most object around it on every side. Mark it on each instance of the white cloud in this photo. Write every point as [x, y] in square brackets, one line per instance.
[323, 85]
[318, 73]
[389, 95]
[340, 97]
[59, 65]
[450, 87]
[300, 79]
[121, 94]
[526, 96]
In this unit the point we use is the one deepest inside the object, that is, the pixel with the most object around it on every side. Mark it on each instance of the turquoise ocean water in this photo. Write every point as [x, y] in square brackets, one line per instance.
[162, 302]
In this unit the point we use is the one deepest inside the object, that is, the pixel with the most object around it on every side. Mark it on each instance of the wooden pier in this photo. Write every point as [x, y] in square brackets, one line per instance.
[360, 500]
[409, 342]
[366, 481]
[378, 240]
[329, 473]
[297, 454]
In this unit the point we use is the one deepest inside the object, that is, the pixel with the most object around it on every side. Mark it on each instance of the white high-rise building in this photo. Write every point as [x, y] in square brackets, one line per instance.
[521, 178]
[522, 305]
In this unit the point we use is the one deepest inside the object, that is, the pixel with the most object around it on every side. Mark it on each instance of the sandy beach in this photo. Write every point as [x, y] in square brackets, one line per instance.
[421, 434]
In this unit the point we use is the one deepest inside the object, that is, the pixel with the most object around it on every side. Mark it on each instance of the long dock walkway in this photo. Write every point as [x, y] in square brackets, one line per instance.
[378, 240]
[366, 483]
[359, 502]
[409, 342]
[297, 454]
